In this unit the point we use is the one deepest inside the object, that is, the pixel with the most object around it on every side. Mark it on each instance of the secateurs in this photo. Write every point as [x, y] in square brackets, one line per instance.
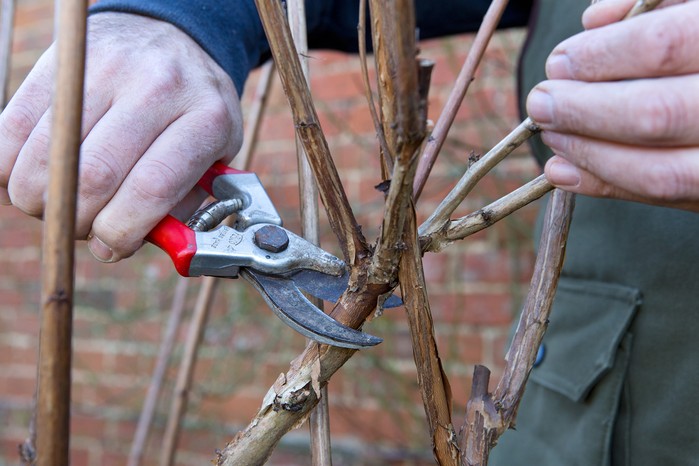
[278, 263]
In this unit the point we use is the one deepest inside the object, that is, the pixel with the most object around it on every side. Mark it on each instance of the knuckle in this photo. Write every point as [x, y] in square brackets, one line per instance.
[217, 130]
[26, 195]
[98, 176]
[660, 115]
[667, 182]
[19, 119]
[165, 81]
[156, 181]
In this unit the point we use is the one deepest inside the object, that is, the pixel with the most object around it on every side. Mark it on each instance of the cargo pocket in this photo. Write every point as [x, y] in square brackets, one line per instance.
[566, 417]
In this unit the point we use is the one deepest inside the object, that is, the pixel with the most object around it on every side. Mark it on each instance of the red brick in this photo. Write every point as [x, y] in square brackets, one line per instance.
[472, 309]
[82, 425]
[338, 86]
[18, 387]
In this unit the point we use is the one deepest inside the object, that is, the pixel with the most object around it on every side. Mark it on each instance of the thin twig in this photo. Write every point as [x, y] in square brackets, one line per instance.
[386, 156]
[483, 218]
[487, 418]
[642, 6]
[7, 16]
[184, 377]
[475, 172]
[166, 347]
[456, 97]
[319, 420]
[55, 353]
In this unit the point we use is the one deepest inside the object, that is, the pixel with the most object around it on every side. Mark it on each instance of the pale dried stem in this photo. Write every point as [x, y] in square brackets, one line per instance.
[340, 215]
[537, 306]
[642, 6]
[7, 16]
[488, 418]
[319, 421]
[483, 218]
[456, 97]
[184, 377]
[55, 352]
[162, 362]
[475, 173]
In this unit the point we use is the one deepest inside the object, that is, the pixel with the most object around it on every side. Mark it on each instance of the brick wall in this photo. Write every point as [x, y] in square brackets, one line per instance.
[121, 309]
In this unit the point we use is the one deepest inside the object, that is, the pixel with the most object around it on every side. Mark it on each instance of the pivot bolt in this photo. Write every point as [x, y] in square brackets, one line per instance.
[272, 238]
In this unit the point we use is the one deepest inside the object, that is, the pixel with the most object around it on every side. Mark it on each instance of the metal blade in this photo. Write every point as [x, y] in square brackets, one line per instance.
[287, 301]
[329, 287]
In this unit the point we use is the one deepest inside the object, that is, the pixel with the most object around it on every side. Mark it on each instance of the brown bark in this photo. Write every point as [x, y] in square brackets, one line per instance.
[488, 417]
[53, 436]
[434, 385]
[403, 118]
[340, 216]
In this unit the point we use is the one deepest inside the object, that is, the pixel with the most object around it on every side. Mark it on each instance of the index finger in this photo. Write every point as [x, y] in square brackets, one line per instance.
[659, 43]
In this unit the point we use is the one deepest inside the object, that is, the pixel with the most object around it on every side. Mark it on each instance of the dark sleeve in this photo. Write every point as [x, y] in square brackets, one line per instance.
[231, 32]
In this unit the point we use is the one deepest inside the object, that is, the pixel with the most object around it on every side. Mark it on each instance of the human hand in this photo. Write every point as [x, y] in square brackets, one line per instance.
[158, 111]
[621, 107]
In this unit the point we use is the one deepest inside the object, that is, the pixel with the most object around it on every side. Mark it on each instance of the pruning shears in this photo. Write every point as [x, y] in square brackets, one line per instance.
[279, 264]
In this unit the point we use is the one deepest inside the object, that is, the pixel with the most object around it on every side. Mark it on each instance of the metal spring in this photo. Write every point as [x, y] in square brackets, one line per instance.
[213, 214]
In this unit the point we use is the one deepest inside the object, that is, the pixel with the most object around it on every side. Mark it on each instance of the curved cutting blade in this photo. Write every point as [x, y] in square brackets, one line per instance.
[329, 287]
[288, 302]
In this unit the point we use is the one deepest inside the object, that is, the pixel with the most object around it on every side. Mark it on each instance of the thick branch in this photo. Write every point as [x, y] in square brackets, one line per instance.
[434, 385]
[403, 122]
[475, 172]
[289, 401]
[483, 218]
[456, 97]
[340, 215]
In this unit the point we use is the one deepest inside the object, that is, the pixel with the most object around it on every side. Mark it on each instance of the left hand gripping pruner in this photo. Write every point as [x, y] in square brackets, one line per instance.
[278, 263]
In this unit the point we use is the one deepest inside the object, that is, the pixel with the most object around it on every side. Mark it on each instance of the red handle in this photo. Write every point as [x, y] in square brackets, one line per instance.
[176, 239]
[216, 170]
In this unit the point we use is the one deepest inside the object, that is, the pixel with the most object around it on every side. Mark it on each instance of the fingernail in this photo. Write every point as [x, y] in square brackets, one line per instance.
[540, 106]
[558, 66]
[563, 174]
[99, 250]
